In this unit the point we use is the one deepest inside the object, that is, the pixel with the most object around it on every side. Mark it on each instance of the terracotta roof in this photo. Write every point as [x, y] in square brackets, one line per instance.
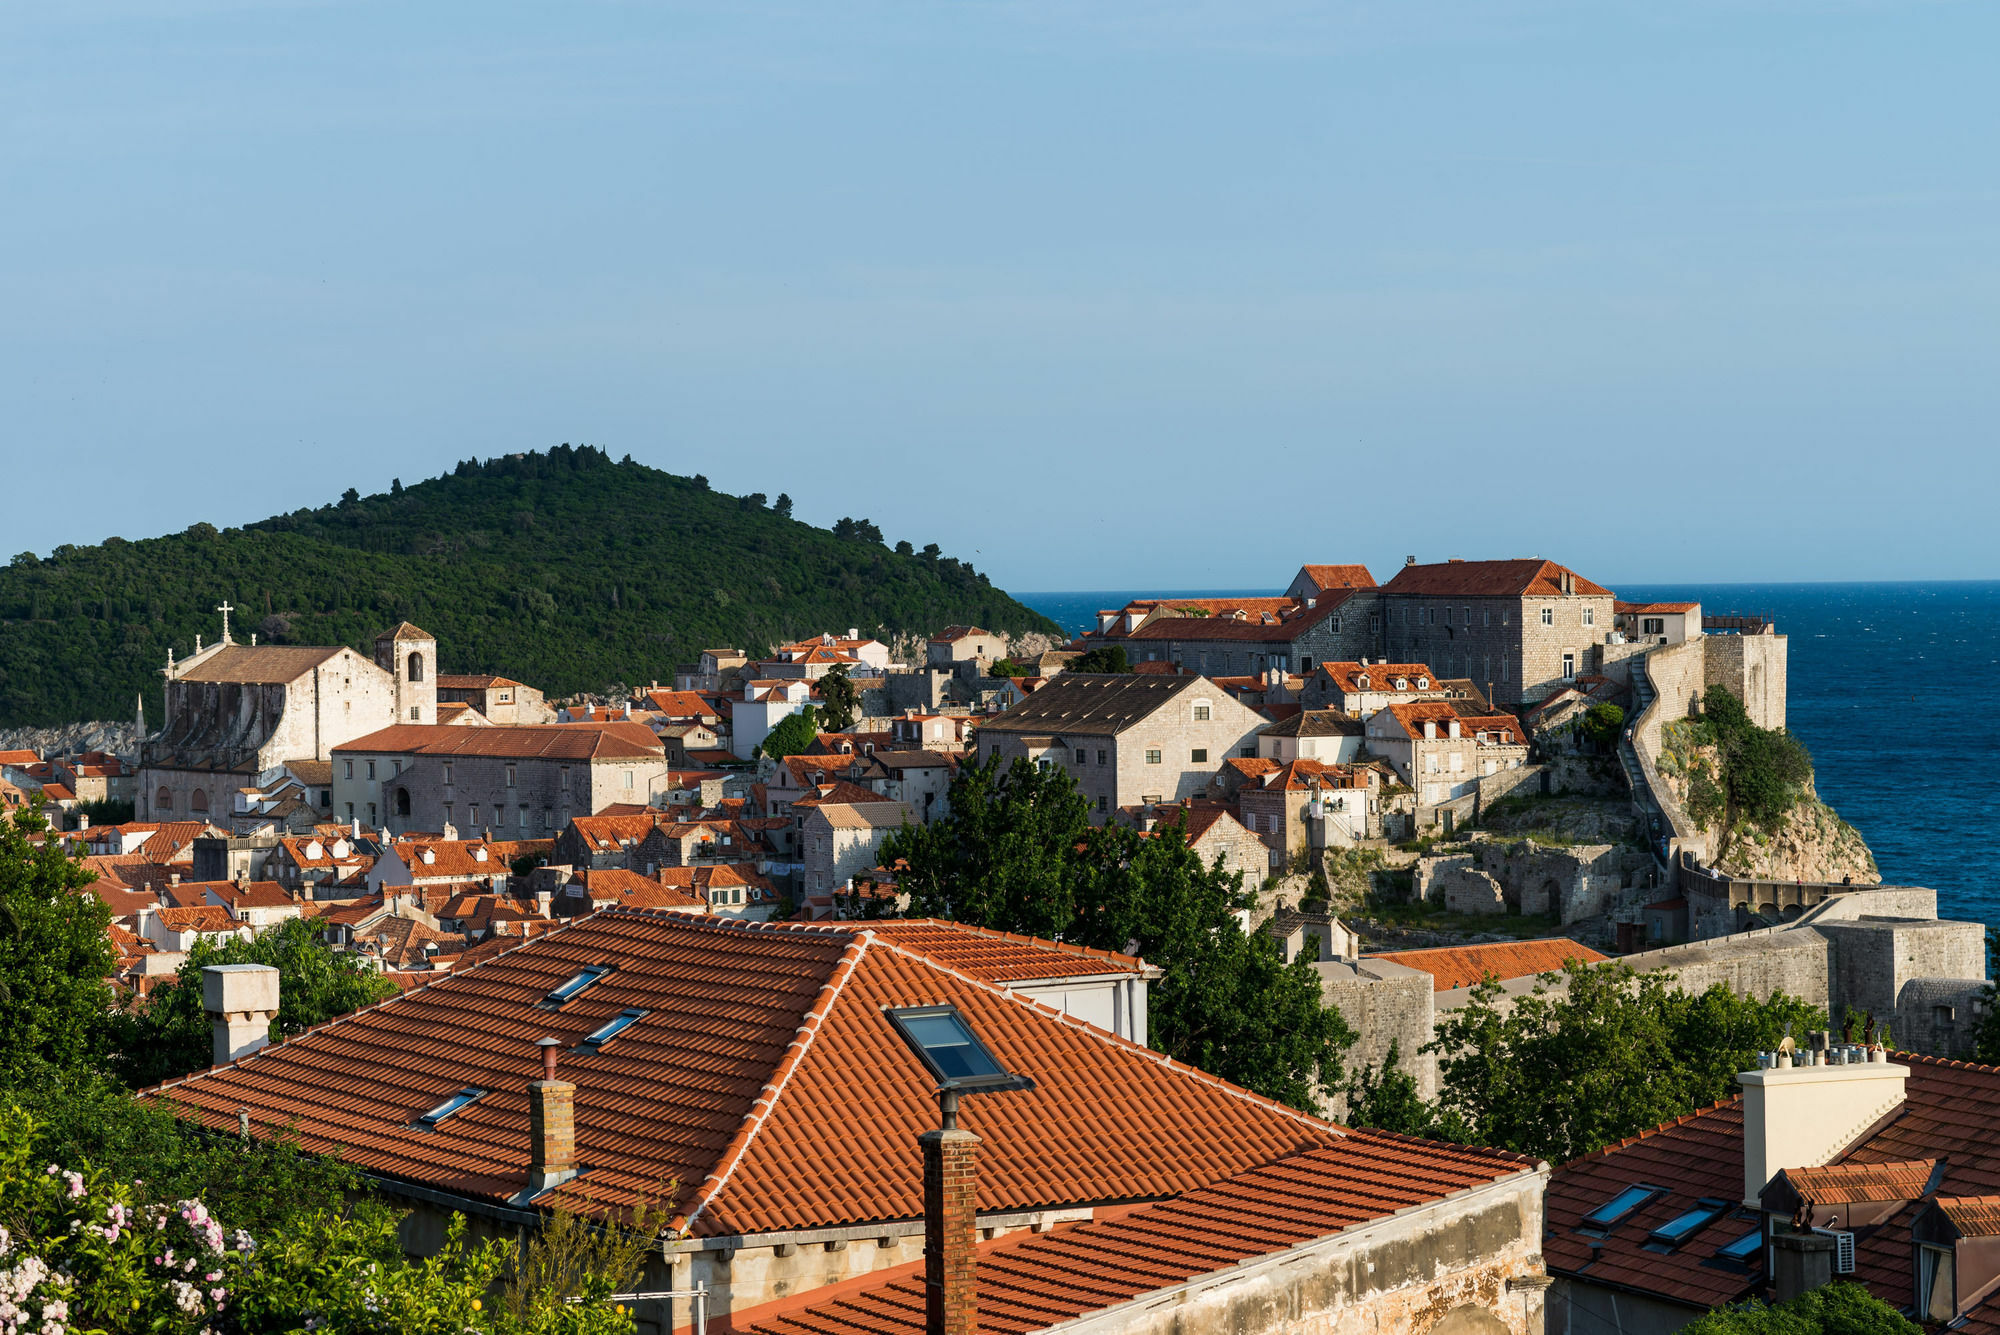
[403, 630]
[839, 791]
[1029, 1282]
[1972, 1216]
[1285, 623]
[763, 1078]
[1004, 957]
[554, 741]
[1411, 717]
[257, 665]
[1090, 704]
[1381, 676]
[1304, 775]
[472, 681]
[57, 792]
[19, 758]
[1339, 577]
[1525, 577]
[1500, 729]
[205, 918]
[1652, 609]
[253, 895]
[874, 814]
[1462, 966]
[453, 858]
[951, 633]
[681, 704]
[1848, 1183]
[608, 833]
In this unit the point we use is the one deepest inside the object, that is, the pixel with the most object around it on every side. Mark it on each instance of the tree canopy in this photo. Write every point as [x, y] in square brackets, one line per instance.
[1104, 658]
[562, 568]
[1018, 852]
[1764, 771]
[838, 700]
[1834, 1309]
[55, 954]
[794, 733]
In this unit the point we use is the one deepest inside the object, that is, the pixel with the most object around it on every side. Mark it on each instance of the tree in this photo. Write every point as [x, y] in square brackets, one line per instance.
[1104, 658]
[55, 954]
[1005, 667]
[700, 482]
[1764, 770]
[903, 548]
[1018, 853]
[172, 1036]
[1602, 723]
[1840, 1308]
[754, 501]
[1598, 1053]
[839, 701]
[794, 733]
[931, 552]
[782, 507]
[1387, 1099]
[395, 486]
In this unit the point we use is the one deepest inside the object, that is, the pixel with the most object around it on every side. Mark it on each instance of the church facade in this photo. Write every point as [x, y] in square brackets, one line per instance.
[235, 712]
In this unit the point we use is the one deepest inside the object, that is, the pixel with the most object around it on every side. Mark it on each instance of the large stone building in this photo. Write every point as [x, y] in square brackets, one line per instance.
[1325, 615]
[235, 712]
[1127, 739]
[1518, 628]
[524, 782]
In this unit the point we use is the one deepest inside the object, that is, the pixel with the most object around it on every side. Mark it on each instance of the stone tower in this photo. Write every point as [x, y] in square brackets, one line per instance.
[409, 655]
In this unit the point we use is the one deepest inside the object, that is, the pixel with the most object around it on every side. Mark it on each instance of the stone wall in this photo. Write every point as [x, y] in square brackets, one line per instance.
[1872, 958]
[1572, 881]
[1383, 1003]
[1753, 666]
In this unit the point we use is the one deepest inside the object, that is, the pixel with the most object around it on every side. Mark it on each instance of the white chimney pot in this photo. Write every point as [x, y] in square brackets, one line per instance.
[1805, 1116]
[241, 1001]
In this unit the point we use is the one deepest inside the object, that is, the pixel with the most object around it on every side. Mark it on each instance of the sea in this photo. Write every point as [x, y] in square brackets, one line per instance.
[1894, 688]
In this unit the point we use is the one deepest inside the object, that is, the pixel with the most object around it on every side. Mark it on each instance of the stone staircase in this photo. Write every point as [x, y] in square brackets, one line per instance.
[1654, 809]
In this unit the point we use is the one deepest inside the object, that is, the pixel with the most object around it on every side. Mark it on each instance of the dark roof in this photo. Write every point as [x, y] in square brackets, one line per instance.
[1316, 723]
[258, 664]
[1526, 577]
[403, 630]
[1264, 626]
[1096, 703]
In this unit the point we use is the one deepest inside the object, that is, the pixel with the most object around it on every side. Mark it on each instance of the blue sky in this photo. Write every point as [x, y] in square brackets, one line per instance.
[1095, 294]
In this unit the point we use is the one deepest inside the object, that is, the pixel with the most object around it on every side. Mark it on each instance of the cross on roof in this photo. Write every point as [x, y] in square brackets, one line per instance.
[225, 609]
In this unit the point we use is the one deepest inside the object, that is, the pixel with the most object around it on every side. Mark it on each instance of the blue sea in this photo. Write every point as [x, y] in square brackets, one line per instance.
[1895, 689]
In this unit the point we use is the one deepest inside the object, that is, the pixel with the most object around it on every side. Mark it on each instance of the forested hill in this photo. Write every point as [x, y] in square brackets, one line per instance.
[562, 569]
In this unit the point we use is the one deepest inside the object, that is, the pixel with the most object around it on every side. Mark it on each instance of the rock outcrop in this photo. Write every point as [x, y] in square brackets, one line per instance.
[119, 739]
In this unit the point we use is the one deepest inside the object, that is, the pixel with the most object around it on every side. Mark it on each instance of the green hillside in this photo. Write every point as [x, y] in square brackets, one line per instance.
[565, 570]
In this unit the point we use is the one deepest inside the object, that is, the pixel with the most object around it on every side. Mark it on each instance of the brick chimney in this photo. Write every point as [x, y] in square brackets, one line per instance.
[551, 1125]
[241, 1001]
[951, 1228]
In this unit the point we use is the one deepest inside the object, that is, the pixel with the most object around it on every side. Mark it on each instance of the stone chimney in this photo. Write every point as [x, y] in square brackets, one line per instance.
[951, 1229]
[241, 1001]
[1800, 1262]
[1802, 1116]
[551, 1125]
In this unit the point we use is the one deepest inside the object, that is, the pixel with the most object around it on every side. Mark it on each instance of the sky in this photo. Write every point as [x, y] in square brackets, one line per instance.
[1095, 295]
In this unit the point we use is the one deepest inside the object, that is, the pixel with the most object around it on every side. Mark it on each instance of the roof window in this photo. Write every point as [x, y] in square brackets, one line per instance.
[1609, 1214]
[465, 1098]
[1684, 1226]
[945, 1043]
[610, 1029]
[1744, 1250]
[575, 986]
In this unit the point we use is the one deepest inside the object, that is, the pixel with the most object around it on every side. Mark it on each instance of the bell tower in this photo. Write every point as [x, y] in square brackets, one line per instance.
[409, 655]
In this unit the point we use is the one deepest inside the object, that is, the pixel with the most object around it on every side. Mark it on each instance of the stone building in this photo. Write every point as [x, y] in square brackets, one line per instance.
[524, 782]
[496, 699]
[1329, 614]
[1325, 735]
[1279, 804]
[1360, 688]
[957, 648]
[1127, 739]
[842, 840]
[1280, 1220]
[235, 712]
[1522, 626]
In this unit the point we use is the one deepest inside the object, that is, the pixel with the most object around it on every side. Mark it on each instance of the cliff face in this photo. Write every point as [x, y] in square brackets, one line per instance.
[1809, 843]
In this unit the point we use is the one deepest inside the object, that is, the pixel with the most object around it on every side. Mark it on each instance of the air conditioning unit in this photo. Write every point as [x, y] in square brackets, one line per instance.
[1843, 1249]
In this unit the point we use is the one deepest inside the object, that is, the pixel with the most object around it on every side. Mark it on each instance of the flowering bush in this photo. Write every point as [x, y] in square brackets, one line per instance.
[80, 1252]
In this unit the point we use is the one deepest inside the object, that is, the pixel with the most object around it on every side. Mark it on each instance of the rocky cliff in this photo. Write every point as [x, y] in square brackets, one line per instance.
[1810, 842]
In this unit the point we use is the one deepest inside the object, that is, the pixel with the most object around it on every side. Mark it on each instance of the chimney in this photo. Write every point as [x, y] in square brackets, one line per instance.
[1800, 1262]
[241, 1001]
[951, 1229]
[551, 1125]
[1409, 560]
[1803, 1116]
[853, 632]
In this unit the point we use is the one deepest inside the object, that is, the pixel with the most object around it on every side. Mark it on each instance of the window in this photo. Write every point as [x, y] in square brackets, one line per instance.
[465, 1098]
[1199, 756]
[198, 800]
[1654, 626]
[1684, 1226]
[1935, 1301]
[1103, 802]
[165, 801]
[1625, 1202]
[576, 984]
[1250, 752]
[1082, 756]
[416, 714]
[1486, 617]
[506, 697]
[1201, 712]
[613, 1027]
[447, 774]
[510, 776]
[449, 809]
[1569, 666]
[416, 670]
[1503, 669]
[371, 769]
[350, 813]
[628, 778]
[398, 767]
[548, 819]
[1590, 616]
[522, 822]
[1306, 662]
[472, 813]
[1152, 757]
[402, 801]
[1743, 1249]
[1548, 616]
[1100, 757]
[348, 772]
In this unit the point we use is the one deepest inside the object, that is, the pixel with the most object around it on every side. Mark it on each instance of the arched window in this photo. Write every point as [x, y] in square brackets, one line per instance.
[416, 667]
[197, 800]
[403, 802]
[165, 801]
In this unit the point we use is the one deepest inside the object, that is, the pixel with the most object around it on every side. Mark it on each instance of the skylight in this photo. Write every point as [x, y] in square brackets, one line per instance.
[946, 1045]
[1684, 1226]
[463, 1099]
[1624, 1203]
[1744, 1249]
[611, 1028]
[576, 985]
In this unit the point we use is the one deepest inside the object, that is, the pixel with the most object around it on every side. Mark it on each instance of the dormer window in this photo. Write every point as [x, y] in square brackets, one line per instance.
[1402, 683]
[1423, 683]
[1361, 682]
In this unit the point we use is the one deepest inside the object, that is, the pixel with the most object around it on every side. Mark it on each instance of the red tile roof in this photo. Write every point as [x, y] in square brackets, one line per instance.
[1339, 577]
[1526, 577]
[1652, 609]
[1972, 1216]
[205, 918]
[1462, 966]
[1004, 957]
[1849, 1183]
[555, 741]
[1029, 1282]
[1381, 676]
[763, 1078]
